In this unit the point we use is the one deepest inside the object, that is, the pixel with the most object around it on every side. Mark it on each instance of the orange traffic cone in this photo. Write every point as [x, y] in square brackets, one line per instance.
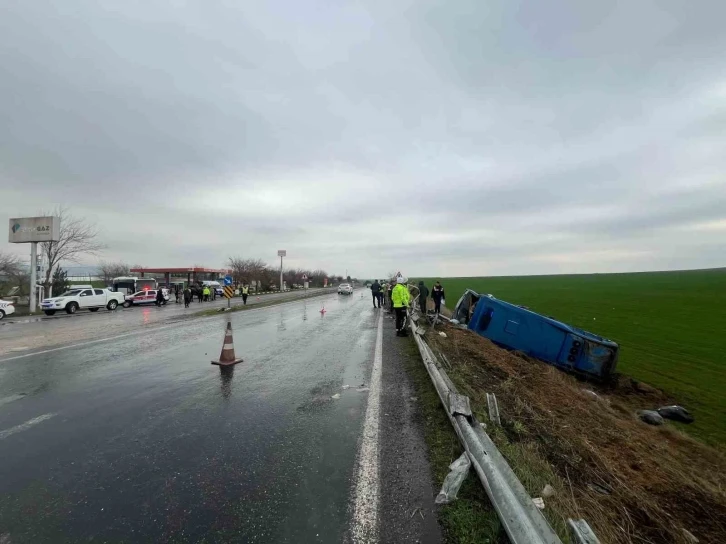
[227, 357]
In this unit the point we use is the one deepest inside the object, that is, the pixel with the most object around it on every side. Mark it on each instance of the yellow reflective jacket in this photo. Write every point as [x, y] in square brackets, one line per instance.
[245, 290]
[205, 291]
[400, 296]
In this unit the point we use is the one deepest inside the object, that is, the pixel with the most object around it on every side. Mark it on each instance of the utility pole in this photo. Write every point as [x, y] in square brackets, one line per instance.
[33, 276]
[281, 253]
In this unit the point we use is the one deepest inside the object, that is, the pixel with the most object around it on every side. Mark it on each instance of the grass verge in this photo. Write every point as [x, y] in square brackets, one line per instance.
[470, 519]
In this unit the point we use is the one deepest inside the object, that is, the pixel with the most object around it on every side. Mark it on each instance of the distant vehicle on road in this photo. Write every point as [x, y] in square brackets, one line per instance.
[82, 299]
[6, 308]
[145, 297]
[345, 289]
[129, 285]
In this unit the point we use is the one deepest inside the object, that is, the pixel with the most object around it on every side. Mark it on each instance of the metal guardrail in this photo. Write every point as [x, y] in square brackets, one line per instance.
[520, 517]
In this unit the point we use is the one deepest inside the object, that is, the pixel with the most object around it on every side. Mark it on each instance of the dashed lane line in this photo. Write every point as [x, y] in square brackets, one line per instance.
[24, 426]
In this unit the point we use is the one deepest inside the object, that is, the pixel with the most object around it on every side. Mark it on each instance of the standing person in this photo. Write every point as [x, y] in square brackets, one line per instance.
[423, 293]
[200, 293]
[214, 292]
[245, 293]
[376, 292]
[401, 299]
[187, 296]
[159, 297]
[389, 295]
[177, 293]
[438, 295]
[205, 292]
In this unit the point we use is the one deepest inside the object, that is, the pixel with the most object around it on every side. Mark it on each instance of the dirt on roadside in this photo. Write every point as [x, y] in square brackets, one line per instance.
[631, 481]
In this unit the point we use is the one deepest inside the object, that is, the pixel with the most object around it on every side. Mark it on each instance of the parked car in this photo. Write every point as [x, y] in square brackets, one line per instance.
[345, 289]
[6, 308]
[82, 299]
[145, 297]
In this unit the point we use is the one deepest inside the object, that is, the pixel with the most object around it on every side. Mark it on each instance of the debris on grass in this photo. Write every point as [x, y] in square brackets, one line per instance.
[452, 483]
[676, 413]
[651, 417]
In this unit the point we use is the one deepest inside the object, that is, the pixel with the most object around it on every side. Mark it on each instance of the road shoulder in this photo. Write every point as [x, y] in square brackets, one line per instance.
[408, 512]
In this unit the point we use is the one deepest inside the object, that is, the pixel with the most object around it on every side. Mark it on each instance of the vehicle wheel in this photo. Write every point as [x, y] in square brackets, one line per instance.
[93, 309]
[112, 305]
[126, 304]
[49, 312]
[72, 308]
[2, 314]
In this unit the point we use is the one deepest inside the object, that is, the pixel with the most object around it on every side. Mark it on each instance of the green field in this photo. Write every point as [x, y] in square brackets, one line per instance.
[671, 327]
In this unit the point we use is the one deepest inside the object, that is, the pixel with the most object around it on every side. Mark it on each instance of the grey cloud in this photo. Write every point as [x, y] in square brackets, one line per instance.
[529, 123]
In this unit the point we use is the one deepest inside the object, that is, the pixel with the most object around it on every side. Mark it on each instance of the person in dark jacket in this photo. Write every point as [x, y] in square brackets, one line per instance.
[159, 297]
[187, 296]
[438, 295]
[423, 293]
[376, 292]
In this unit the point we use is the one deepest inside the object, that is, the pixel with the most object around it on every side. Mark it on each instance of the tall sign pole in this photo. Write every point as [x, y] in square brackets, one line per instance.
[281, 253]
[32, 230]
[33, 276]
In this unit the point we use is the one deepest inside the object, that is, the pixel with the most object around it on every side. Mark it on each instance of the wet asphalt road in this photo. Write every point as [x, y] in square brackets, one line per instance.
[144, 440]
[21, 334]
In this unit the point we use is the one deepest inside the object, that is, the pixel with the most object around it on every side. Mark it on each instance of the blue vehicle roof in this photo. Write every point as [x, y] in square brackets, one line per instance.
[559, 324]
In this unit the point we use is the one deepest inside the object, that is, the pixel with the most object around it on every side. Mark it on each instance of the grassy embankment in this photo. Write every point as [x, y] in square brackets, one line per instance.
[670, 326]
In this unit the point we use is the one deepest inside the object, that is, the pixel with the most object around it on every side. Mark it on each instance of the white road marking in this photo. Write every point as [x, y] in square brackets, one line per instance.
[367, 486]
[24, 426]
[144, 330]
[11, 398]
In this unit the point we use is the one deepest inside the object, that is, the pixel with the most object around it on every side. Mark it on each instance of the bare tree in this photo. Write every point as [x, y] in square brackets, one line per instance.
[13, 274]
[247, 270]
[112, 270]
[77, 238]
[9, 264]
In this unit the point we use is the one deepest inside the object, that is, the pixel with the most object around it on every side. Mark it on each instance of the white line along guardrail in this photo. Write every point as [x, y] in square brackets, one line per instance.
[520, 517]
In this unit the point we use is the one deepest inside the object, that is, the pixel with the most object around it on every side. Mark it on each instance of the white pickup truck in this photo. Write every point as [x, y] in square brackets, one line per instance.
[82, 299]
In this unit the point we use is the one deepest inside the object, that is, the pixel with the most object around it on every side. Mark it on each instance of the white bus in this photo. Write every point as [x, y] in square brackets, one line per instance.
[131, 285]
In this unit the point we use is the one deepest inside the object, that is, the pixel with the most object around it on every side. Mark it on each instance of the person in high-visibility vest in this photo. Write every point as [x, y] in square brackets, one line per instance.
[206, 292]
[245, 293]
[401, 299]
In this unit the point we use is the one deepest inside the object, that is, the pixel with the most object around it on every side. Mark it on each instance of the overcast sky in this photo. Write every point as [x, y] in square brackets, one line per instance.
[464, 138]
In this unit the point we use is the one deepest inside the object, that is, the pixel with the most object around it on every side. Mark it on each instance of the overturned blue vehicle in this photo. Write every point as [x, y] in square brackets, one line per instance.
[518, 328]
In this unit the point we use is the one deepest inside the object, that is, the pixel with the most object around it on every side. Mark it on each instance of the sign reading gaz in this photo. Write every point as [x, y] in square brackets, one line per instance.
[34, 229]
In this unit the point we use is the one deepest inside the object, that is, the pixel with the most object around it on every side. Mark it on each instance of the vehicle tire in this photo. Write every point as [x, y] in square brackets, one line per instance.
[112, 305]
[127, 304]
[93, 309]
[72, 308]
[49, 312]
[2, 314]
